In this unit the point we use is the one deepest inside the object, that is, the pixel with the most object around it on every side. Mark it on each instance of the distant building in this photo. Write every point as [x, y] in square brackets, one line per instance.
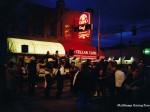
[130, 53]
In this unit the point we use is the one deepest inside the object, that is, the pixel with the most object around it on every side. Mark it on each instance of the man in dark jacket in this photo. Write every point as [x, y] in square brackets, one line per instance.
[84, 84]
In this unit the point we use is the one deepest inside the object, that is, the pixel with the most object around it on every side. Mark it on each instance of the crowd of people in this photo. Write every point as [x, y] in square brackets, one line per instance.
[124, 83]
[13, 79]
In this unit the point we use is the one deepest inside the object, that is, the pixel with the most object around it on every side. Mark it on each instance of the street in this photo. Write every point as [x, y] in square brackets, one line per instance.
[38, 103]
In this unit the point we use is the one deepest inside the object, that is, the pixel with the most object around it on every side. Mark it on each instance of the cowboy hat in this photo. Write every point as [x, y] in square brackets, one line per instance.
[50, 59]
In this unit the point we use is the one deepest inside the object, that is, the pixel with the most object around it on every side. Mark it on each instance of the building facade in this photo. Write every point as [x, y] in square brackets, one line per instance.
[36, 25]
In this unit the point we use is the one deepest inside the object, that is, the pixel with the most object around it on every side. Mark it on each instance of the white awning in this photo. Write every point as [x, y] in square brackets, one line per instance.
[35, 47]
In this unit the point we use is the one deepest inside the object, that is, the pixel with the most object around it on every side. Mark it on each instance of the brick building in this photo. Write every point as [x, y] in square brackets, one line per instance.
[40, 29]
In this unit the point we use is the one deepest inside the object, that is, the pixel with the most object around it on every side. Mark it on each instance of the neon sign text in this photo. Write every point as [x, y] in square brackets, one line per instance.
[85, 52]
[83, 19]
[82, 27]
[84, 34]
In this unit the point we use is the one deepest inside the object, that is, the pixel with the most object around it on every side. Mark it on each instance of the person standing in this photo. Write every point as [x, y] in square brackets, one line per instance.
[85, 87]
[60, 79]
[10, 81]
[101, 84]
[72, 71]
[32, 76]
[110, 82]
[48, 78]
[47, 56]
[119, 79]
[19, 75]
[133, 84]
[101, 79]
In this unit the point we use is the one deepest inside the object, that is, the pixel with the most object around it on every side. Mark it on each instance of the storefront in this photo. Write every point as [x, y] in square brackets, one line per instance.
[82, 51]
[24, 51]
[34, 46]
[19, 47]
[80, 43]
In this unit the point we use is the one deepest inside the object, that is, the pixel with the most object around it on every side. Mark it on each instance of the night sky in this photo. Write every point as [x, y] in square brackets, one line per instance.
[113, 14]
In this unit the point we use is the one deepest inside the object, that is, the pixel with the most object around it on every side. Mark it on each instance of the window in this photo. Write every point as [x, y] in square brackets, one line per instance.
[127, 58]
[12, 29]
[38, 27]
[116, 58]
[51, 30]
[23, 26]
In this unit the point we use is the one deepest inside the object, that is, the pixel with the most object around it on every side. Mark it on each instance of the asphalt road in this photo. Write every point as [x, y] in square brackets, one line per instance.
[38, 103]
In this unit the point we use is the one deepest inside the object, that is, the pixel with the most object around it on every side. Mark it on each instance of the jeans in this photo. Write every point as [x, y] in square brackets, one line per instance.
[84, 101]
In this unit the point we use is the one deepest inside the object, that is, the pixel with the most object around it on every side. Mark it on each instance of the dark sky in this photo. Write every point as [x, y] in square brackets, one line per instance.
[113, 13]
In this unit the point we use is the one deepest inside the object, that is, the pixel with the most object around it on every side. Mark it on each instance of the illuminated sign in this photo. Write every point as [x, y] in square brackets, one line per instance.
[84, 34]
[146, 51]
[82, 52]
[68, 31]
[83, 26]
[84, 19]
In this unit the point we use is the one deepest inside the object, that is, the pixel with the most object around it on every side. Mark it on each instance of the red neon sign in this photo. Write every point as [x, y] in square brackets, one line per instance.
[84, 19]
[82, 26]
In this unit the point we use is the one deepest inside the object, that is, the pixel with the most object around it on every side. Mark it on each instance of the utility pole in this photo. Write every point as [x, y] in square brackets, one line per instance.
[98, 33]
[121, 44]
